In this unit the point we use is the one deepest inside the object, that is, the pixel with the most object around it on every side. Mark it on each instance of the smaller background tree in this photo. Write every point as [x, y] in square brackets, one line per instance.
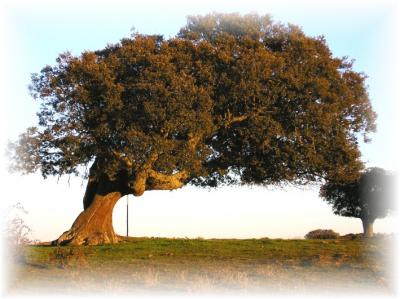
[369, 197]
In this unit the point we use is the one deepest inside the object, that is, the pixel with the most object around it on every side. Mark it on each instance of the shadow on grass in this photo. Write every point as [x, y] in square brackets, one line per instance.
[36, 265]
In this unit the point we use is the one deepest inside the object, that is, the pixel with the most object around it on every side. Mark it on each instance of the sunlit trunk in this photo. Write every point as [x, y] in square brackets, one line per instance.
[94, 224]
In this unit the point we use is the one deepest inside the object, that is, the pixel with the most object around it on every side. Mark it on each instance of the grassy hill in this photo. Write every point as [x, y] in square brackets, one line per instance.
[212, 265]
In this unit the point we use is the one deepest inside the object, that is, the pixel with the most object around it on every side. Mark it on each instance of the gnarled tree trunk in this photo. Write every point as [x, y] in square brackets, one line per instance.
[368, 227]
[94, 224]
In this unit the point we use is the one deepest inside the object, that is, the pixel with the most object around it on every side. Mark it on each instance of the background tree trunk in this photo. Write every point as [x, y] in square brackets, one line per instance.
[368, 227]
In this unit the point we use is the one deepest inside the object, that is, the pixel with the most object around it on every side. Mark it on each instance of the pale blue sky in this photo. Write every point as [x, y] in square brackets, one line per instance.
[35, 32]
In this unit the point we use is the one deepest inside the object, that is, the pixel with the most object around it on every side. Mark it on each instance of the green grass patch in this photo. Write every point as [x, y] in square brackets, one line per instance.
[208, 264]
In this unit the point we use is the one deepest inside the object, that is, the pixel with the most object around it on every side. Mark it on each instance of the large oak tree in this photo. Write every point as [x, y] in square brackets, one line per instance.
[230, 99]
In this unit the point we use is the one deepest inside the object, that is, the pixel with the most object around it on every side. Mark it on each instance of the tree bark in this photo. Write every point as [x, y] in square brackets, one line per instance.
[368, 227]
[94, 225]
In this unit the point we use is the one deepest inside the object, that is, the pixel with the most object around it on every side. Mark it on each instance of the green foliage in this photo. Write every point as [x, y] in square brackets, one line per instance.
[322, 234]
[369, 197]
[212, 26]
[230, 99]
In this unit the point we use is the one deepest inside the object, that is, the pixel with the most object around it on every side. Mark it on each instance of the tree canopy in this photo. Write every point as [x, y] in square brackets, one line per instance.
[369, 197]
[229, 99]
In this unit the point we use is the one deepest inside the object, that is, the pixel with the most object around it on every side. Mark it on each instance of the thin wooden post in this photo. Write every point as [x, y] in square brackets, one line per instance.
[127, 216]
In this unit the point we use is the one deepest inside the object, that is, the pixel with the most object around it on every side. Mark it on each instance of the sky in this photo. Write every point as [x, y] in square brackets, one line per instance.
[33, 33]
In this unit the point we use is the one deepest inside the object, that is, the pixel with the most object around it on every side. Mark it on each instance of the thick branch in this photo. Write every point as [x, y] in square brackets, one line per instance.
[123, 158]
[148, 179]
[139, 184]
[160, 181]
[237, 119]
[193, 141]
[230, 120]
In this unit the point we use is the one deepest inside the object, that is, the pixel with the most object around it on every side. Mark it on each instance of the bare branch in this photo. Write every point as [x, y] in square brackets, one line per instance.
[236, 119]
[230, 120]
